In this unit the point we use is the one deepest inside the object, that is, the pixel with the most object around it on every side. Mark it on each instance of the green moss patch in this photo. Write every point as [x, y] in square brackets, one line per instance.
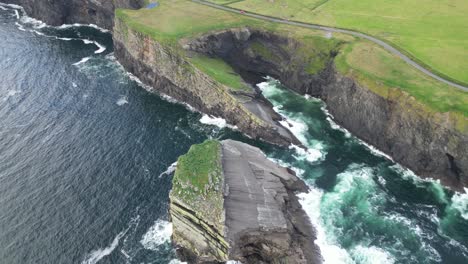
[198, 181]
[371, 65]
[261, 50]
[220, 71]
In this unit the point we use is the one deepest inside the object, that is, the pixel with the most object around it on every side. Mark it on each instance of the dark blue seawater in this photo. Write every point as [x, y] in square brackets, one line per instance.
[84, 151]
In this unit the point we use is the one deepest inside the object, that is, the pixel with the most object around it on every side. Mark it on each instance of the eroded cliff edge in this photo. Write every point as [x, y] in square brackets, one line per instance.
[166, 68]
[432, 144]
[229, 202]
[58, 12]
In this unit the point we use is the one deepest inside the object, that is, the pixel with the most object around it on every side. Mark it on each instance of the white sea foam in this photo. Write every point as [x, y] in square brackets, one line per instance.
[169, 170]
[215, 121]
[331, 252]
[433, 185]
[375, 151]
[159, 234]
[12, 6]
[65, 26]
[314, 149]
[17, 14]
[333, 124]
[40, 33]
[309, 154]
[85, 59]
[66, 39]
[74, 85]
[98, 254]
[371, 255]
[122, 101]
[297, 127]
[150, 89]
[176, 261]
[460, 203]
[37, 24]
[101, 48]
[20, 27]
[11, 93]
[3, 8]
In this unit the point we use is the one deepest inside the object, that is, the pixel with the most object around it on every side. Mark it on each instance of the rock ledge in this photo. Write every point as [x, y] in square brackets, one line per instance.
[260, 219]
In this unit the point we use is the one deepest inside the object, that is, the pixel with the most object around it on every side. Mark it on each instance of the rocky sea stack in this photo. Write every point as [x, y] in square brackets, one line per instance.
[229, 202]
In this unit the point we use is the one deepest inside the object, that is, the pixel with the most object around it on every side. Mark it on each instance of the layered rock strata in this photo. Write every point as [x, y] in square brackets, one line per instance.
[261, 220]
[167, 69]
[430, 144]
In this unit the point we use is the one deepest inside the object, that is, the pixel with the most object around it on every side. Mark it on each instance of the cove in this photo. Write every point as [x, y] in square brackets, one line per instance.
[84, 148]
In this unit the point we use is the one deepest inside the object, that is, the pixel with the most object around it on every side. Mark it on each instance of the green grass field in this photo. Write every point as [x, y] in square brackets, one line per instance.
[199, 171]
[220, 71]
[373, 66]
[198, 180]
[433, 32]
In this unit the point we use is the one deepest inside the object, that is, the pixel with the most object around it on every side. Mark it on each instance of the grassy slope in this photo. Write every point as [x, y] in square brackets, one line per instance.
[384, 73]
[434, 32]
[198, 180]
[220, 71]
[177, 19]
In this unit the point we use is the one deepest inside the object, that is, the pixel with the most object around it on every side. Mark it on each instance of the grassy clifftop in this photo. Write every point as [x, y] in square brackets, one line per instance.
[198, 181]
[366, 62]
[433, 32]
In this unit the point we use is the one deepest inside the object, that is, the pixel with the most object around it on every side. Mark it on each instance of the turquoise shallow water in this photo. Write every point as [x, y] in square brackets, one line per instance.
[84, 151]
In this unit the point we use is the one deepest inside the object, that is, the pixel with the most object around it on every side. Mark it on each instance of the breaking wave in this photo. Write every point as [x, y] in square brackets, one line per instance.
[214, 121]
[122, 101]
[314, 150]
[158, 235]
[98, 254]
[169, 170]
[83, 60]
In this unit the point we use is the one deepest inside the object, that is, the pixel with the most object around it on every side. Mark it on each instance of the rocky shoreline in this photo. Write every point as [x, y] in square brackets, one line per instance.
[58, 12]
[425, 142]
[248, 210]
[397, 125]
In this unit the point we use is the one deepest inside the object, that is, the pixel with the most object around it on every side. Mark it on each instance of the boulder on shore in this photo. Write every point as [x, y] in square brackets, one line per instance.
[230, 202]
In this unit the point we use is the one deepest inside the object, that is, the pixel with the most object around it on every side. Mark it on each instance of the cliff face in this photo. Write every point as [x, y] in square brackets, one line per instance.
[165, 68]
[58, 12]
[428, 143]
[251, 214]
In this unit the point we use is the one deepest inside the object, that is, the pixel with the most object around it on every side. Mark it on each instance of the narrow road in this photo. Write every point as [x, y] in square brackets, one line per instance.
[332, 29]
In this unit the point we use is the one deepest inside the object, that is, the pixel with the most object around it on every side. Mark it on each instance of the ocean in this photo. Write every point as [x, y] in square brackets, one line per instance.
[87, 155]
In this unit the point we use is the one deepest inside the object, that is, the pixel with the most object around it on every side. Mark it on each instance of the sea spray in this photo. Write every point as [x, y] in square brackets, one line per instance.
[157, 235]
[315, 150]
[330, 250]
[214, 121]
[96, 255]
[460, 203]
[170, 170]
[123, 100]
[351, 221]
